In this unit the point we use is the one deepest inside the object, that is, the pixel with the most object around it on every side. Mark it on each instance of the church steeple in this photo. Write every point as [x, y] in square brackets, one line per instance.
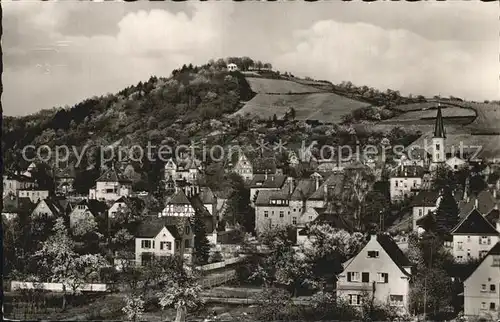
[439, 126]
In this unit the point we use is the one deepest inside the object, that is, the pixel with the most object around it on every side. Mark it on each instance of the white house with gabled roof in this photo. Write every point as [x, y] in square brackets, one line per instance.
[381, 269]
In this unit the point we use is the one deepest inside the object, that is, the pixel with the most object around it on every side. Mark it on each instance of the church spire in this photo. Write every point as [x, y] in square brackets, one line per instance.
[439, 126]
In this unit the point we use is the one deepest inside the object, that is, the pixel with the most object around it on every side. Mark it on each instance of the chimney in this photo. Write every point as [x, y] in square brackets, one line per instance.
[290, 182]
[373, 235]
[496, 207]
[316, 179]
[476, 203]
[265, 175]
[495, 193]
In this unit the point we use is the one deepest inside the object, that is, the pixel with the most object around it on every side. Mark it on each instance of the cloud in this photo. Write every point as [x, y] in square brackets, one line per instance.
[57, 69]
[398, 59]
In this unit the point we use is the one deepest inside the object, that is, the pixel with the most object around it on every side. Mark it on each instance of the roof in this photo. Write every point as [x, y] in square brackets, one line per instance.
[95, 207]
[67, 172]
[494, 251]
[14, 204]
[199, 207]
[408, 171]
[112, 175]
[493, 217]
[394, 252]
[334, 219]
[152, 227]
[206, 195]
[334, 183]
[261, 165]
[179, 198]
[475, 224]
[439, 125]
[272, 181]
[264, 196]
[426, 198]
[56, 207]
[304, 189]
[485, 203]
[19, 177]
[134, 203]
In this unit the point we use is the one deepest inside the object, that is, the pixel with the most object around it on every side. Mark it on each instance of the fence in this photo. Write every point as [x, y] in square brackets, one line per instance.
[219, 279]
[227, 262]
[56, 287]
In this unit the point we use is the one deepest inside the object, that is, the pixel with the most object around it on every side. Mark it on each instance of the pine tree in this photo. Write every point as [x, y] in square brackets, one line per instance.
[201, 244]
[447, 215]
[275, 118]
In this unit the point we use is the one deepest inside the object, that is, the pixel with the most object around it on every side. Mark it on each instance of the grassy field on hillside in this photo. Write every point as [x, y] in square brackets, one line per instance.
[279, 86]
[325, 107]
[417, 116]
[488, 118]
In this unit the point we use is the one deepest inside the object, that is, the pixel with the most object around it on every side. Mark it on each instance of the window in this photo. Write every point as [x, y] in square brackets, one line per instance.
[483, 253]
[468, 252]
[438, 147]
[483, 287]
[266, 214]
[146, 244]
[492, 288]
[110, 190]
[468, 239]
[187, 230]
[353, 276]
[294, 220]
[165, 245]
[460, 257]
[373, 253]
[310, 217]
[383, 278]
[365, 277]
[354, 299]
[186, 243]
[460, 246]
[420, 212]
[396, 183]
[177, 244]
[483, 305]
[492, 306]
[282, 214]
[396, 300]
[414, 183]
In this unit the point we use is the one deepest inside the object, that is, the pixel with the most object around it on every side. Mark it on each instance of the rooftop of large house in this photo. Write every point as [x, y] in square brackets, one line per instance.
[334, 185]
[267, 181]
[484, 201]
[14, 204]
[95, 207]
[474, 224]
[425, 198]
[113, 175]
[408, 171]
[151, 227]
[134, 203]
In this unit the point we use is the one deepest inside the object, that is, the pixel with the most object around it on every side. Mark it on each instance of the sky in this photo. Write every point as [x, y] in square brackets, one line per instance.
[59, 53]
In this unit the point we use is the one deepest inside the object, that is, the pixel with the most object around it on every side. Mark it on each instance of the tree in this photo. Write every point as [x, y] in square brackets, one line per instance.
[181, 290]
[359, 182]
[238, 209]
[64, 265]
[134, 307]
[275, 118]
[201, 243]
[292, 113]
[447, 213]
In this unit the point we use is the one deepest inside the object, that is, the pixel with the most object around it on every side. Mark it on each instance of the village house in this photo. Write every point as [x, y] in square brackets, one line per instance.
[405, 181]
[29, 171]
[244, 167]
[34, 194]
[485, 202]
[14, 182]
[64, 180]
[482, 288]
[110, 186]
[126, 204]
[423, 204]
[473, 237]
[272, 208]
[165, 236]
[380, 269]
[88, 209]
[188, 205]
[51, 208]
[265, 182]
[189, 170]
[13, 206]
